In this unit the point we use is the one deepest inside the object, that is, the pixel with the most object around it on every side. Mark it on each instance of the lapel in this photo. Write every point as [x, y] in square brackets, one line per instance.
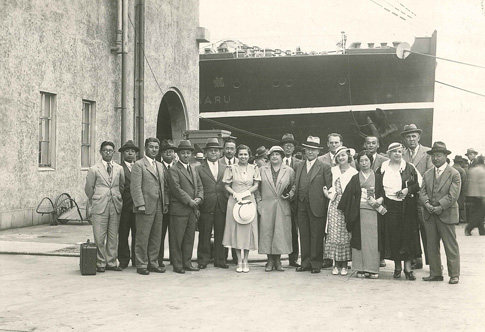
[104, 173]
[419, 156]
[314, 170]
[159, 171]
[221, 170]
[269, 177]
[205, 167]
[299, 170]
[281, 174]
[184, 171]
[444, 177]
[149, 167]
[127, 171]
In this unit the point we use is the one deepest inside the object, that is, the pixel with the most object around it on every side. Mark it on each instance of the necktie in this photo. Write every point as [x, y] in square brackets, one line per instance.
[229, 162]
[287, 162]
[168, 167]
[438, 172]
[108, 168]
[189, 170]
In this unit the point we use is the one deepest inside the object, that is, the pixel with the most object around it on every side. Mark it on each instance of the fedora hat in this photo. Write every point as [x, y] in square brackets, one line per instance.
[288, 138]
[458, 159]
[260, 152]
[129, 145]
[470, 150]
[167, 144]
[185, 145]
[438, 146]
[394, 146]
[212, 143]
[199, 156]
[277, 149]
[312, 142]
[244, 212]
[344, 148]
[411, 128]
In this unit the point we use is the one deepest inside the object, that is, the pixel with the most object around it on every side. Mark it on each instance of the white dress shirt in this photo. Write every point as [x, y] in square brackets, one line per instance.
[439, 170]
[214, 167]
[309, 165]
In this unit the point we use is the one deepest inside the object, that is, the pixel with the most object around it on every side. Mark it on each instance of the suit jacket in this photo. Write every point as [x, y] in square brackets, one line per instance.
[126, 194]
[327, 159]
[215, 195]
[446, 193]
[183, 188]
[378, 161]
[422, 161]
[320, 176]
[294, 162]
[146, 185]
[100, 190]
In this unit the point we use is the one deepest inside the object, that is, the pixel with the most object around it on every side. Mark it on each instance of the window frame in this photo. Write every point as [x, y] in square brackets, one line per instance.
[51, 137]
[90, 131]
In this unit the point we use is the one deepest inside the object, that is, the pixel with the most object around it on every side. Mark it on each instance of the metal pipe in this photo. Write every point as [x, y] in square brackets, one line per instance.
[124, 71]
[116, 48]
[140, 98]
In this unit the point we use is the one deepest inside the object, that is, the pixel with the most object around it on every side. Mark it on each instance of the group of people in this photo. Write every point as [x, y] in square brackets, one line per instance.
[327, 209]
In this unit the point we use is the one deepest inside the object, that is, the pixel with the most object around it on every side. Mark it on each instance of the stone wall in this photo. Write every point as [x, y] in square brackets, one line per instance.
[63, 47]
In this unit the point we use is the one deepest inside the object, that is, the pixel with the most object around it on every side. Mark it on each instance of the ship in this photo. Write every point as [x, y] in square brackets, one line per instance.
[260, 94]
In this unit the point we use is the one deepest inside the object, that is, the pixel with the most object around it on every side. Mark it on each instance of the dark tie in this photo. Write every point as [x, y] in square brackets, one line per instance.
[108, 168]
[287, 162]
[189, 170]
[229, 162]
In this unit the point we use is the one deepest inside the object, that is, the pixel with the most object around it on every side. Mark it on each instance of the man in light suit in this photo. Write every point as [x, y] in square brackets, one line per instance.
[416, 154]
[150, 193]
[439, 194]
[186, 194]
[213, 209]
[128, 220]
[288, 144]
[167, 151]
[311, 176]
[334, 141]
[104, 184]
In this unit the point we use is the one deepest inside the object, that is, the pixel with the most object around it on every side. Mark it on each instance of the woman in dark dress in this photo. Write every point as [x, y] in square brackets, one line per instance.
[362, 206]
[401, 182]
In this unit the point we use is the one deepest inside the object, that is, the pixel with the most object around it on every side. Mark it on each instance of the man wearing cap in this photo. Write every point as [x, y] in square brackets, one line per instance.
[334, 141]
[416, 154]
[186, 194]
[461, 200]
[104, 184]
[167, 151]
[127, 220]
[288, 144]
[439, 194]
[213, 209]
[471, 154]
[311, 177]
[150, 192]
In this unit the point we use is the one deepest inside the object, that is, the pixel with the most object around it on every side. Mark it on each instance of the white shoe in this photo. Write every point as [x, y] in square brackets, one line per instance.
[245, 268]
[239, 268]
[335, 271]
[343, 272]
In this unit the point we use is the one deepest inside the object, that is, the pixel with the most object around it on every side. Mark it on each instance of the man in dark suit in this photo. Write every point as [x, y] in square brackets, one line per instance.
[167, 151]
[288, 144]
[371, 144]
[186, 195]
[213, 209]
[471, 154]
[127, 220]
[104, 184]
[311, 176]
[150, 192]
[416, 154]
[439, 194]
[334, 141]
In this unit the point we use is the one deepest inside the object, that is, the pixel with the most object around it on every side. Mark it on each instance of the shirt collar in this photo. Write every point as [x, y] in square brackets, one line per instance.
[233, 160]
[442, 168]
[150, 159]
[167, 164]
[105, 164]
[385, 165]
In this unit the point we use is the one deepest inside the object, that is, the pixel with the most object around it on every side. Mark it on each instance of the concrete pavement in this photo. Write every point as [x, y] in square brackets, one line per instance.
[47, 293]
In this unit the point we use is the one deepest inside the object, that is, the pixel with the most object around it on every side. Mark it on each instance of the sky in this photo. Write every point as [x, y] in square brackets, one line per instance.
[316, 25]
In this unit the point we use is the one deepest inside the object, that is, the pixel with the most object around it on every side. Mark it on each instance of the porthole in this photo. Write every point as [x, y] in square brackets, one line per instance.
[342, 81]
[276, 83]
[289, 83]
[236, 85]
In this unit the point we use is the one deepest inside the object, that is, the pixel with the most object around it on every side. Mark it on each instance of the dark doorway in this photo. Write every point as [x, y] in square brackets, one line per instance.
[171, 122]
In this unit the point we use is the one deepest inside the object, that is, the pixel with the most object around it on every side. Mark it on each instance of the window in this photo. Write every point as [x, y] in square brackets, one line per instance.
[87, 133]
[47, 130]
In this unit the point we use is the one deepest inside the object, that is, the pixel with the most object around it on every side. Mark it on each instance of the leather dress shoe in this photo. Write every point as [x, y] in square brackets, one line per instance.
[180, 271]
[303, 269]
[315, 270]
[161, 264]
[382, 263]
[222, 266]
[454, 280]
[467, 233]
[191, 268]
[143, 272]
[294, 264]
[433, 278]
[114, 268]
[327, 263]
[100, 269]
[156, 269]
[201, 267]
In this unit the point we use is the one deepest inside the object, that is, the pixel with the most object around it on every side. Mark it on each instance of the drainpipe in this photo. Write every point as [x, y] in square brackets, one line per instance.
[140, 98]
[124, 71]
[117, 47]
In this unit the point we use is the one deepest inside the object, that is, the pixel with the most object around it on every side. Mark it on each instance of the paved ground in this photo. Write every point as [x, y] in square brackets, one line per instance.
[47, 293]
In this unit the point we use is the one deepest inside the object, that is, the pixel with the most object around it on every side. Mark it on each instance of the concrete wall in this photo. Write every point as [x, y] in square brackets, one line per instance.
[63, 47]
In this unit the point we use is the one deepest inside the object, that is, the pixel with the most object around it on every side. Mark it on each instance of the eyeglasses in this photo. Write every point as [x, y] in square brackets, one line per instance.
[107, 151]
